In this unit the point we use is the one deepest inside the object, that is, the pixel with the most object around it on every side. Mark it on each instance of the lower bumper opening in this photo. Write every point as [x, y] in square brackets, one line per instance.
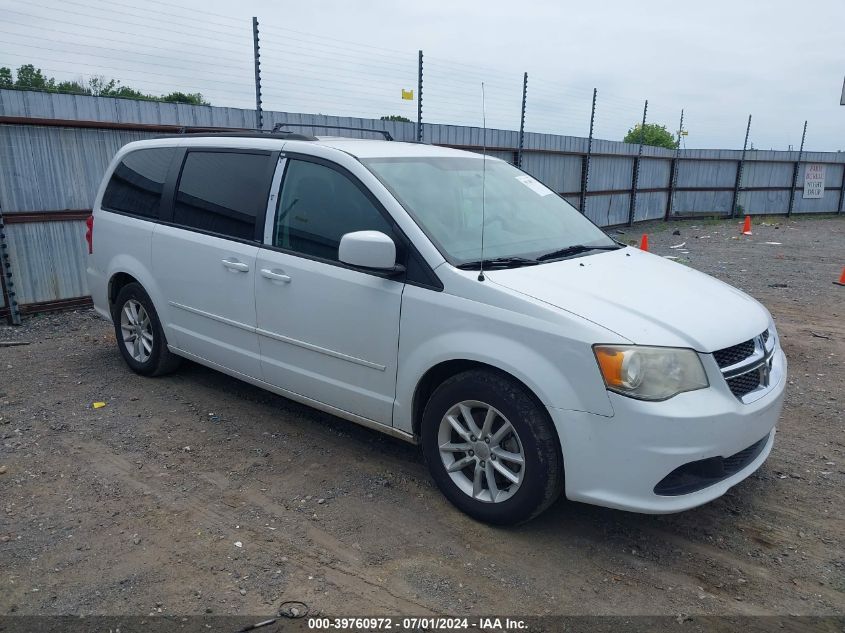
[697, 475]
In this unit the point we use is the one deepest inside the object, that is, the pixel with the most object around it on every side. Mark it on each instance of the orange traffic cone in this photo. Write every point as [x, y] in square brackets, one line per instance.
[644, 243]
[841, 281]
[746, 228]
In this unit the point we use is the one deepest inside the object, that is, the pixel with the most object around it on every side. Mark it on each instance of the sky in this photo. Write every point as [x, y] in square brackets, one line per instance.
[718, 60]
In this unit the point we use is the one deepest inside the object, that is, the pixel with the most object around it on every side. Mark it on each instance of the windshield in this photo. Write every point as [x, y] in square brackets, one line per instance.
[522, 218]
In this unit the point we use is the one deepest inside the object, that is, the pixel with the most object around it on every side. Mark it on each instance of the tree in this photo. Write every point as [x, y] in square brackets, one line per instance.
[396, 117]
[73, 87]
[191, 98]
[653, 134]
[31, 78]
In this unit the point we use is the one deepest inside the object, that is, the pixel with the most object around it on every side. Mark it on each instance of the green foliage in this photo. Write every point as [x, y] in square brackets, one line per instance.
[72, 87]
[6, 79]
[193, 98]
[652, 134]
[396, 117]
[31, 78]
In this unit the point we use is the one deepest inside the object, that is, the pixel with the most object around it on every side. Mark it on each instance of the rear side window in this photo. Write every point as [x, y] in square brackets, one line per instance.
[138, 181]
[223, 192]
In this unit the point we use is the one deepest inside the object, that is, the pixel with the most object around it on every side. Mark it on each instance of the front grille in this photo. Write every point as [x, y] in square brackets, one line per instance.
[744, 384]
[698, 475]
[746, 366]
[735, 354]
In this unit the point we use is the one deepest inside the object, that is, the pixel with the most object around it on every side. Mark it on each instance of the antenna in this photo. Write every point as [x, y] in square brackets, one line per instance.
[483, 180]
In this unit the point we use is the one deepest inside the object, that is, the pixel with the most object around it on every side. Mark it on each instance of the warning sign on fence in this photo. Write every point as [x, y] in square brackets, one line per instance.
[814, 181]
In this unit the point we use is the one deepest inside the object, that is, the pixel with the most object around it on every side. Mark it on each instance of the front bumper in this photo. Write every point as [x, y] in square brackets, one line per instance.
[618, 461]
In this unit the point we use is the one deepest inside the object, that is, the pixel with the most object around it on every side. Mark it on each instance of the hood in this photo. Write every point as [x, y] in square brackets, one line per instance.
[644, 298]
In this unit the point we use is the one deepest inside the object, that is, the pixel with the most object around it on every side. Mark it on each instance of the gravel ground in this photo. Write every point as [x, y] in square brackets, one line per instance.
[196, 493]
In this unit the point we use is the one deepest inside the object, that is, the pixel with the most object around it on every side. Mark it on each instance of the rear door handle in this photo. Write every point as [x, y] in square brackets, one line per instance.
[274, 276]
[234, 264]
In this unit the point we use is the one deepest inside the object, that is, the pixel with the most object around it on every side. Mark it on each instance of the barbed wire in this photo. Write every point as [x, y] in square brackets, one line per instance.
[310, 71]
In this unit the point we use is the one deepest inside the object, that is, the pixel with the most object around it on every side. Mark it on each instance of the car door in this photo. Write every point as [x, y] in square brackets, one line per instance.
[326, 331]
[204, 256]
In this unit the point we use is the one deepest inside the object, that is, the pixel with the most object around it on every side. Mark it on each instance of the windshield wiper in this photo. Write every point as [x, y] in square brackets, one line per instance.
[499, 262]
[577, 249]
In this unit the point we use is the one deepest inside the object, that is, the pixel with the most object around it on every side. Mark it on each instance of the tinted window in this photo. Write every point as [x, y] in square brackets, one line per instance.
[223, 192]
[317, 207]
[137, 182]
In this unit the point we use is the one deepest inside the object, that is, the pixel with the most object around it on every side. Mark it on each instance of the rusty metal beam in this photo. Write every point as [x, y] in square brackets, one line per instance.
[64, 215]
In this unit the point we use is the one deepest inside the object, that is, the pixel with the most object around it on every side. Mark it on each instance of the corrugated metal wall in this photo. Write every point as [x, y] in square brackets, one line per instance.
[48, 260]
[57, 167]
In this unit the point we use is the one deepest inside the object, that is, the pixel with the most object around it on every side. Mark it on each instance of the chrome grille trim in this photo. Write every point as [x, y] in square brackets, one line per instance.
[760, 361]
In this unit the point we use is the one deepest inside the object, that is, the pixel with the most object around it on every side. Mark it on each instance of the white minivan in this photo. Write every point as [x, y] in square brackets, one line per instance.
[445, 298]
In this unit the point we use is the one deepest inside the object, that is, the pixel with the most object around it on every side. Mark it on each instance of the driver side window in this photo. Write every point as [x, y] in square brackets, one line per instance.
[317, 206]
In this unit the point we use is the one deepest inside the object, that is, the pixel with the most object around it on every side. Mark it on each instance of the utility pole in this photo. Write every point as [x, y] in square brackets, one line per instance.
[635, 180]
[585, 165]
[256, 57]
[7, 284]
[739, 169]
[795, 172]
[522, 121]
[673, 170]
[419, 98]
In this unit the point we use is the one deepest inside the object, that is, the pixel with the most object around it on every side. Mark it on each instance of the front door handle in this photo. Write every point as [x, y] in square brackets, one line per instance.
[233, 264]
[274, 276]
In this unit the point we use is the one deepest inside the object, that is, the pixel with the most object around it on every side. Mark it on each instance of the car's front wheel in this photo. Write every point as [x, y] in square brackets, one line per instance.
[491, 448]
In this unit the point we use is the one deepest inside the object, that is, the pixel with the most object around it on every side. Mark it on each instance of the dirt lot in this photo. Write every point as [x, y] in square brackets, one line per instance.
[198, 494]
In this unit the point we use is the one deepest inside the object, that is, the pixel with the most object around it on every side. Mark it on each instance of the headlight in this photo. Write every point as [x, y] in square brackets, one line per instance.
[650, 373]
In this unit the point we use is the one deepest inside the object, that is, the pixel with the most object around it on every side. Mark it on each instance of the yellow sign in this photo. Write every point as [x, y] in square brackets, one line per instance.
[408, 94]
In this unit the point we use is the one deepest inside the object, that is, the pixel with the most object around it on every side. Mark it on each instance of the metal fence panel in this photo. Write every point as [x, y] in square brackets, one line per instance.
[611, 173]
[764, 202]
[57, 167]
[609, 209]
[559, 172]
[49, 260]
[651, 205]
[767, 174]
[54, 168]
[701, 202]
[707, 173]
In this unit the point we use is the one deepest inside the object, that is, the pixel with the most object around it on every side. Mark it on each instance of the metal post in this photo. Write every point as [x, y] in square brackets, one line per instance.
[256, 55]
[419, 98]
[740, 166]
[795, 172]
[842, 193]
[6, 282]
[673, 171]
[522, 121]
[635, 178]
[585, 164]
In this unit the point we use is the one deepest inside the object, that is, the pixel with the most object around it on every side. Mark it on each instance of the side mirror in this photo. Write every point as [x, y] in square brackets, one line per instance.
[372, 250]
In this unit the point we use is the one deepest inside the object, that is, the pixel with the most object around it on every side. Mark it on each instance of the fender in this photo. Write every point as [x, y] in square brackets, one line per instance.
[444, 329]
[126, 263]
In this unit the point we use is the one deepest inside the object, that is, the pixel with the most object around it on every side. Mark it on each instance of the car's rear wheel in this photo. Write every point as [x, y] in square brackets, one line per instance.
[491, 448]
[139, 335]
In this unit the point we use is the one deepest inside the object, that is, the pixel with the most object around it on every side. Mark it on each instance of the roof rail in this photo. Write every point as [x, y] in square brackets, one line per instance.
[278, 128]
[243, 132]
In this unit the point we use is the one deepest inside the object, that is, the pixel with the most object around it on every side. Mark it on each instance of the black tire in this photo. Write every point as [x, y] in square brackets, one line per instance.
[542, 478]
[161, 360]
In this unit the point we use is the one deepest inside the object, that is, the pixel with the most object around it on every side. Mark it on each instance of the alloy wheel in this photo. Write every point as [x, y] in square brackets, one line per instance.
[481, 451]
[137, 330]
